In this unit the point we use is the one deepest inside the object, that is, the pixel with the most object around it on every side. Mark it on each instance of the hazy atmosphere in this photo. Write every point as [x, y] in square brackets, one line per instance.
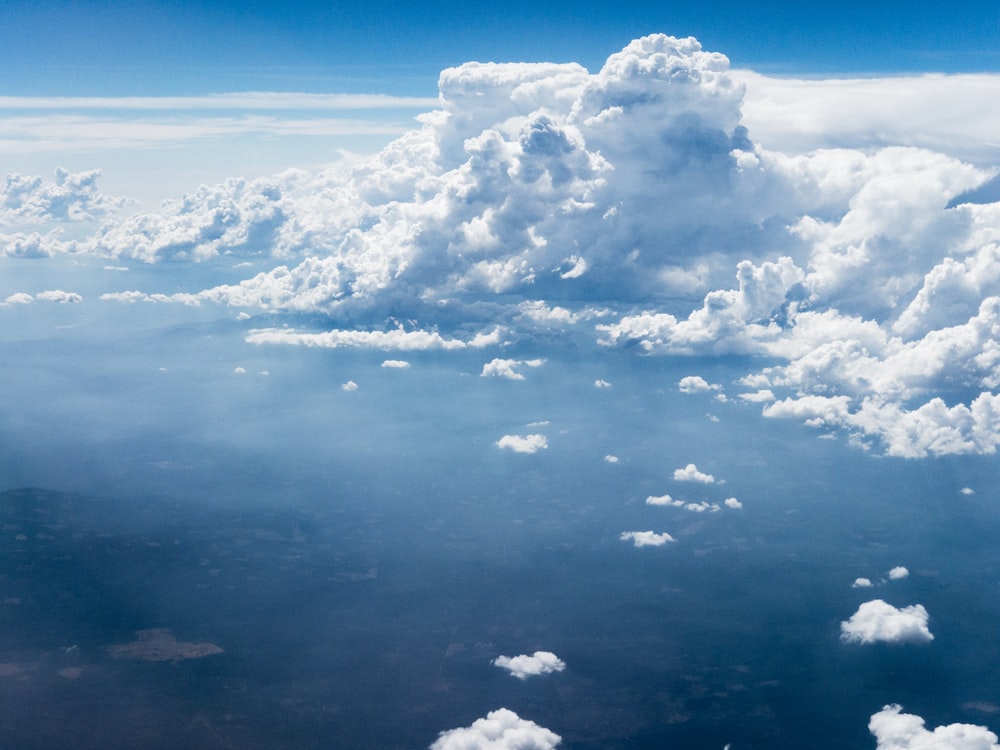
[459, 378]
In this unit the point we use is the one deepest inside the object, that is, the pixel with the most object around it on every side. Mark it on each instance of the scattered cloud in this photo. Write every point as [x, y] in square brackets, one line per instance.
[696, 384]
[599, 383]
[350, 385]
[529, 665]
[506, 368]
[699, 507]
[58, 295]
[611, 459]
[690, 473]
[396, 364]
[500, 730]
[894, 730]
[876, 621]
[898, 573]
[646, 538]
[862, 583]
[732, 502]
[523, 443]
[18, 298]
[967, 491]
[758, 397]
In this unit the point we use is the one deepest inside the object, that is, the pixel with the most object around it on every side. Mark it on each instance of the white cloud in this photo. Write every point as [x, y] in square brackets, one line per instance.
[696, 384]
[898, 573]
[611, 459]
[506, 368]
[732, 502]
[18, 298]
[529, 665]
[967, 491]
[894, 730]
[690, 473]
[239, 371]
[600, 383]
[350, 385]
[396, 364]
[862, 583]
[758, 397]
[523, 443]
[73, 196]
[58, 295]
[397, 339]
[646, 538]
[500, 730]
[700, 507]
[877, 621]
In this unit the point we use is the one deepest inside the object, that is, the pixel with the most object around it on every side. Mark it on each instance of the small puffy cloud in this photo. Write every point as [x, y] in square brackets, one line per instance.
[599, 383]
[646, 538]
[523, 443]
[702, 507]
[967, 491]
[500, 730]
[732, 502]
[696, 384]
[239, 371]
[611, 459]
[18, 298]
[506, 368]
[529, 665]
[862, 583]
[894, 730]
[877, 621]
[690, 473]
[350, 385]
[897, 573]
[58, 295]
[396, 364]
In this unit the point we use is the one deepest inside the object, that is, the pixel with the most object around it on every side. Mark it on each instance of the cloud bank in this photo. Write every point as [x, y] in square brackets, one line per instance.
[863, 272]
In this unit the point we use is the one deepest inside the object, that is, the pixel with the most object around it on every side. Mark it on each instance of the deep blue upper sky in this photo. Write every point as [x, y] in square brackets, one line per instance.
[161, 47]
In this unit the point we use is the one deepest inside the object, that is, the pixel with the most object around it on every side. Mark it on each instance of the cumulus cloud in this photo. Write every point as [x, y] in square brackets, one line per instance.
[350, 385]
[18, 298]
[967, 491]
[646, 538]
[73, 196]
[396, 364]
[696, 384]
[895, 730]
[506, 368]
[898, 573]
[732, 502]
[601, 383]
[876, 621]
[529, 665]
[58, 295]
[500, 730]
[690, 473]
[862, 583]
[523, 443]
[611, 459]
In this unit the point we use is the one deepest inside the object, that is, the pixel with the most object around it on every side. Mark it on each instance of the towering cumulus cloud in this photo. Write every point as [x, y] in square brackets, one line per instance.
[868, 279]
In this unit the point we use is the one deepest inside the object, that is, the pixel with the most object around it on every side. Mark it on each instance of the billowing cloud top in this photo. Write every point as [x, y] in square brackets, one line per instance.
[868, 278]
[878, 621]
[500, 730]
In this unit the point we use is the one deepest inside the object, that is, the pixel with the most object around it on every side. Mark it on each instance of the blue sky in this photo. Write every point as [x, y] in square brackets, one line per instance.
[95, 48]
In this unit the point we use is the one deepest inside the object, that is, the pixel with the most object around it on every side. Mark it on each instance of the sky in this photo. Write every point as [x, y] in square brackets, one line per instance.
[249, 251]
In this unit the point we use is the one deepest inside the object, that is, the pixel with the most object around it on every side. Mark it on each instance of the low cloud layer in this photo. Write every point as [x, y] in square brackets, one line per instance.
[500, 730]
[879, 622]
[531, 665]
